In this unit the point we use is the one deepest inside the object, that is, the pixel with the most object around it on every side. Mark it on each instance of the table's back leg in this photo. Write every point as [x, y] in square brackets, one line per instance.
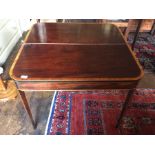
[136, 33]
[27, 107]
[126, 103]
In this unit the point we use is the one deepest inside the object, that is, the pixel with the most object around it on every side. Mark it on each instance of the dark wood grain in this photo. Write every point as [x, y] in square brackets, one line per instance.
[74, 57]
[27, 107]
[75, 33]
[126, 103]
[136, 33]
[70, 85]
[76, 63]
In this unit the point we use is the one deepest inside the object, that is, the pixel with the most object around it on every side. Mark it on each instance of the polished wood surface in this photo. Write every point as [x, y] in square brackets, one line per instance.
[2, 84]
[72, 33]
[9, 92]
[70, 85]
[76, 63]
[75, 57]
[27, 107]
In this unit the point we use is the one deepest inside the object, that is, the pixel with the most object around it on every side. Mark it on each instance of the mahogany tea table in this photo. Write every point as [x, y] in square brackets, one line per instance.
[75, 57]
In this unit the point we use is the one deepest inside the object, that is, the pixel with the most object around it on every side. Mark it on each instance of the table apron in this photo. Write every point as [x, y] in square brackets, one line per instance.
[69, 85]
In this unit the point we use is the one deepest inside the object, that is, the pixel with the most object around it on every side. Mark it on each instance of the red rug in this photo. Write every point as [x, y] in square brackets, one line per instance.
[96, 113]
[144, 50]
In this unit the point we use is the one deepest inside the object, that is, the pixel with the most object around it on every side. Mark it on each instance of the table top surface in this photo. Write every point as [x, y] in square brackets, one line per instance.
[71, 33]
[100, 57]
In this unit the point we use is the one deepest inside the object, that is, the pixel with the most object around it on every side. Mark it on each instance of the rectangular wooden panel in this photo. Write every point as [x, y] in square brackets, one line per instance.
[75, 33]
[49, 85]
[76, 63]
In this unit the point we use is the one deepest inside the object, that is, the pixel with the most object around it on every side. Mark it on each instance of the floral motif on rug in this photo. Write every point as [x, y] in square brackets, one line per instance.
[144, 50]
[96, 113]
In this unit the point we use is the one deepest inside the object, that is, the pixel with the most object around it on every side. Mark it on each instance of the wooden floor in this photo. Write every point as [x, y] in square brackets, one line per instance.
[13, 118]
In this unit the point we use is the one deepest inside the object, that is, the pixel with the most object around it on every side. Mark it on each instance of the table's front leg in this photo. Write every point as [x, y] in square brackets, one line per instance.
[27, 107]
[126, 103]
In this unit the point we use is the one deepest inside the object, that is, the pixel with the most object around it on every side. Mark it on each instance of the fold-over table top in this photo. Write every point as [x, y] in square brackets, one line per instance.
[75, 33]
[75, 52]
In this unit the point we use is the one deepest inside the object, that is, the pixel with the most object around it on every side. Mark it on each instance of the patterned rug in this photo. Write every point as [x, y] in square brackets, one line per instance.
[96, 113]
[145, 50]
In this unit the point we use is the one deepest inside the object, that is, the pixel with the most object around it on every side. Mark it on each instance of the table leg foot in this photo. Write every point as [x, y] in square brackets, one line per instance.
[27, 107]
[126, 103]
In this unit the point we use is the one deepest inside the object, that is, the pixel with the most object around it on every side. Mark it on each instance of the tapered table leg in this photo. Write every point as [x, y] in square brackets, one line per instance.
[153, 28]
[27, 107]
[126, 103]
[136, 33]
